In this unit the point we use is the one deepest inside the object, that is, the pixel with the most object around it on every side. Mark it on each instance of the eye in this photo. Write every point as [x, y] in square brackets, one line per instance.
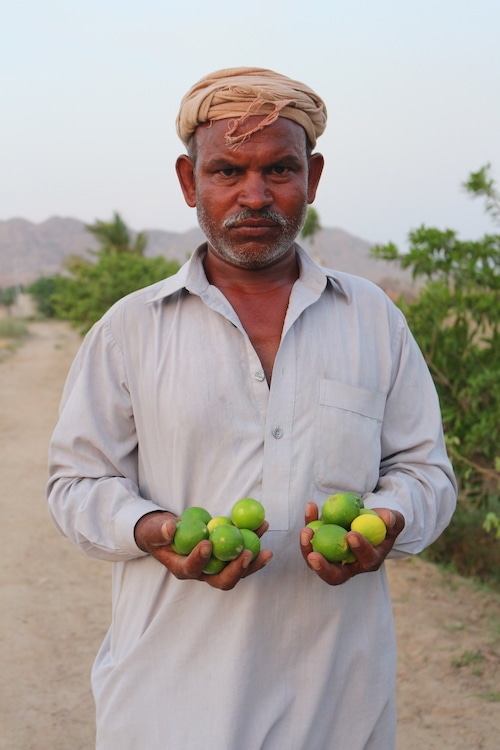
[227, 172]
[280, 170]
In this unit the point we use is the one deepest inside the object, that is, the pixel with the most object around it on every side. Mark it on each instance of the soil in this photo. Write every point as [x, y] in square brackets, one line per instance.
[55, 601]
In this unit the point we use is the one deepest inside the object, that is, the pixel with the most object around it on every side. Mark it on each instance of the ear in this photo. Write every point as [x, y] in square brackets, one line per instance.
[316, 163]
[185, 174]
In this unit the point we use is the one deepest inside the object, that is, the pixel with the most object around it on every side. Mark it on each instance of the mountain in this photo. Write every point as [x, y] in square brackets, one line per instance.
[28, 251]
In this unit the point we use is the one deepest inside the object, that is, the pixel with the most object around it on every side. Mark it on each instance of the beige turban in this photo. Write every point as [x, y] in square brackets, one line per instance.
[239, 93]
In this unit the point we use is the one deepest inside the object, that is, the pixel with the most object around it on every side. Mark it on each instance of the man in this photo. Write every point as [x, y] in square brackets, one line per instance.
[251, 372]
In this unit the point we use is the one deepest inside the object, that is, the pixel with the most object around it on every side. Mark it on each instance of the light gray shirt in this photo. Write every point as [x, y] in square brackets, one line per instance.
[167, 406]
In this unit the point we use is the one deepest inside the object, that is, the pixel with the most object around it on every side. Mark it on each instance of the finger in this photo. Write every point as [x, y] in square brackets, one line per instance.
[394, 521]
[312, 513]
[240, 568]
[306, 536]
[332, 573]
[262, 528]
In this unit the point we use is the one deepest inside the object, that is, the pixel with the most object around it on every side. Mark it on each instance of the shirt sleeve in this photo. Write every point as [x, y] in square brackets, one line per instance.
[416, 477]
[93, 490]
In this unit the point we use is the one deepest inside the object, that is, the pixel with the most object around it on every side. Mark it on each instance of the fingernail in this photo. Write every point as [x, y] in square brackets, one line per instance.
[354, 542]
[206, 549]
[315, 564]
[247, 559]
[304, 538]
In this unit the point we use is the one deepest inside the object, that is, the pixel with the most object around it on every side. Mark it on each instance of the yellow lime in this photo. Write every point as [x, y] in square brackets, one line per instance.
[195, 512]
[314, 525]
[248, 514]
[227, 542]
[371, 527]
[330, 541]
[214, 566]
[251, 541]
[218, 521]
[187, 535]
[341, 508]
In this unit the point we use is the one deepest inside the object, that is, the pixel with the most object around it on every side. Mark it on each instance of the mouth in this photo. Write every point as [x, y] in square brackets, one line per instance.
[254, 225]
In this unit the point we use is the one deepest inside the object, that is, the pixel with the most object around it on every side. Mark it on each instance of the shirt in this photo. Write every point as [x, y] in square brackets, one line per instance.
[167, 406]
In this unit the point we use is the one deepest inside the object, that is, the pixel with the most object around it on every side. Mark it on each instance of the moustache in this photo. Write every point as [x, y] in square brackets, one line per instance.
[263, 213]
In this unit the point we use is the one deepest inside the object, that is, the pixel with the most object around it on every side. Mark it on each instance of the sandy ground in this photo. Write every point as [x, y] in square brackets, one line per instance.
[55, 602]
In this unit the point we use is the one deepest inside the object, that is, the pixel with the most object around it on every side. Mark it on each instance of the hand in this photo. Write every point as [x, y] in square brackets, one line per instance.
[154, 534]
[368, 558]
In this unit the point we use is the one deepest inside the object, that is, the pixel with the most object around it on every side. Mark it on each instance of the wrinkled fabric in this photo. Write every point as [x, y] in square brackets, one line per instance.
[167, 406]
[238, 93]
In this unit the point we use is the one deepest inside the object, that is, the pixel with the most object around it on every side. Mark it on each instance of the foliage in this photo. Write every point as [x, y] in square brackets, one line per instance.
[115, 237]
[8, 295]
[89, 289]
[312, 224]
[94, 287]
[42, 290]
[456, 321]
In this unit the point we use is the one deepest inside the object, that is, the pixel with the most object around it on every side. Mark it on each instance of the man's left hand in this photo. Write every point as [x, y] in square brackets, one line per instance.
[368, 558]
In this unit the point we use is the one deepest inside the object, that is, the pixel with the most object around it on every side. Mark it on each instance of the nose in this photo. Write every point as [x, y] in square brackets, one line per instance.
[254, 192]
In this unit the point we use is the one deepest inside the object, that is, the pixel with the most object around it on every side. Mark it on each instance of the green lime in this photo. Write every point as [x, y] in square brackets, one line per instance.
[251, 542]
[187, 535]
[367, 512]
[218, 521]
[330, 540]
[214, 566]
[227, 542]
[341, 509]
[194, 512]
[371, 527]
[248, 514]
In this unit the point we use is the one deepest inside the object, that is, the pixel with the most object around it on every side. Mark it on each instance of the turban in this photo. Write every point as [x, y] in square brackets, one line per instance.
[238, 93]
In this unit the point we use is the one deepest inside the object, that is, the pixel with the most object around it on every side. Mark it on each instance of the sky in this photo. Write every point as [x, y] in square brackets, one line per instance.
[89, 93]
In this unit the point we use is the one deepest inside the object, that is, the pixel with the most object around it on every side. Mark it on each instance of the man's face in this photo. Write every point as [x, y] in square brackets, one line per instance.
[251, 202]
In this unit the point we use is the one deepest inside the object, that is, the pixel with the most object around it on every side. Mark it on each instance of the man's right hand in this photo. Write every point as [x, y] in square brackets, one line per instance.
[154, 534]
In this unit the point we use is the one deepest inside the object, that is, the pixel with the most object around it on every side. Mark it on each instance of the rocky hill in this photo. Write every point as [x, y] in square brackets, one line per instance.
[28, 251]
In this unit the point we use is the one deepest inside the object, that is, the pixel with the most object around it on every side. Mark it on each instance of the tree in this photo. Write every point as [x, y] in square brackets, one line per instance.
[312, 224]
[456, 321]
[89, 289]
[115, 237]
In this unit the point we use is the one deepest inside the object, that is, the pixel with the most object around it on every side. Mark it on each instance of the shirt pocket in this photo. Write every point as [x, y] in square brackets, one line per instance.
[347, 437]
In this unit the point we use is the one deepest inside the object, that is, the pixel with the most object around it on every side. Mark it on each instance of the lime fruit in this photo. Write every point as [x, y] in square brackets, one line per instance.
[248, 514]
[314, 525]
[367, 512]
[187, 535]
[218, 521]
[196, 513]
[351, 557]
[227, 542]
[371, 527]
[251, 541]
[341, 509]
[330, 540]
[214, 566]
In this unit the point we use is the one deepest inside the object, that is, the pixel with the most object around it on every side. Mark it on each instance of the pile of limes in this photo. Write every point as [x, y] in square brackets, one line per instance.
[341, 513]
[229, 535]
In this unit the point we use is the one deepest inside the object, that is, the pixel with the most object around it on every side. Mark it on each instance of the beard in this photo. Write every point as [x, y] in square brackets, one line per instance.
[254, 253]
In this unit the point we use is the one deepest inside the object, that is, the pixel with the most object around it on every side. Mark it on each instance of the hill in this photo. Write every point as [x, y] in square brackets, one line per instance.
[28, 251]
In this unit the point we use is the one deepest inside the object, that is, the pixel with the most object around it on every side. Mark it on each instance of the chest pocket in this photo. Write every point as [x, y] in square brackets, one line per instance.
[347, 437]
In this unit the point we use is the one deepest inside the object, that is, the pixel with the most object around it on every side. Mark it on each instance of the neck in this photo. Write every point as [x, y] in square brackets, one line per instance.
[220, 273]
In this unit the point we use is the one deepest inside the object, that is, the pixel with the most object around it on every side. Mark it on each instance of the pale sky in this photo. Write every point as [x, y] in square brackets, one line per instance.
[89, 92]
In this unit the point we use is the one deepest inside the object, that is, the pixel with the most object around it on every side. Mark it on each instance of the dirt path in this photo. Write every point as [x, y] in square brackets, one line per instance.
[55, 602]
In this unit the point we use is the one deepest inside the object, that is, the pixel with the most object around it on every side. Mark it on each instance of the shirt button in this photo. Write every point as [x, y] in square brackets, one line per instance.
[277, 433]
[259, 375]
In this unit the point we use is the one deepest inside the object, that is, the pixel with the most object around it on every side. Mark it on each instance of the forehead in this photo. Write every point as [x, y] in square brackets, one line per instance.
[281, 135]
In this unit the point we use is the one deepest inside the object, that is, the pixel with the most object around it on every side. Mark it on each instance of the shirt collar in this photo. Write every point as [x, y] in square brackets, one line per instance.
[191, 276]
